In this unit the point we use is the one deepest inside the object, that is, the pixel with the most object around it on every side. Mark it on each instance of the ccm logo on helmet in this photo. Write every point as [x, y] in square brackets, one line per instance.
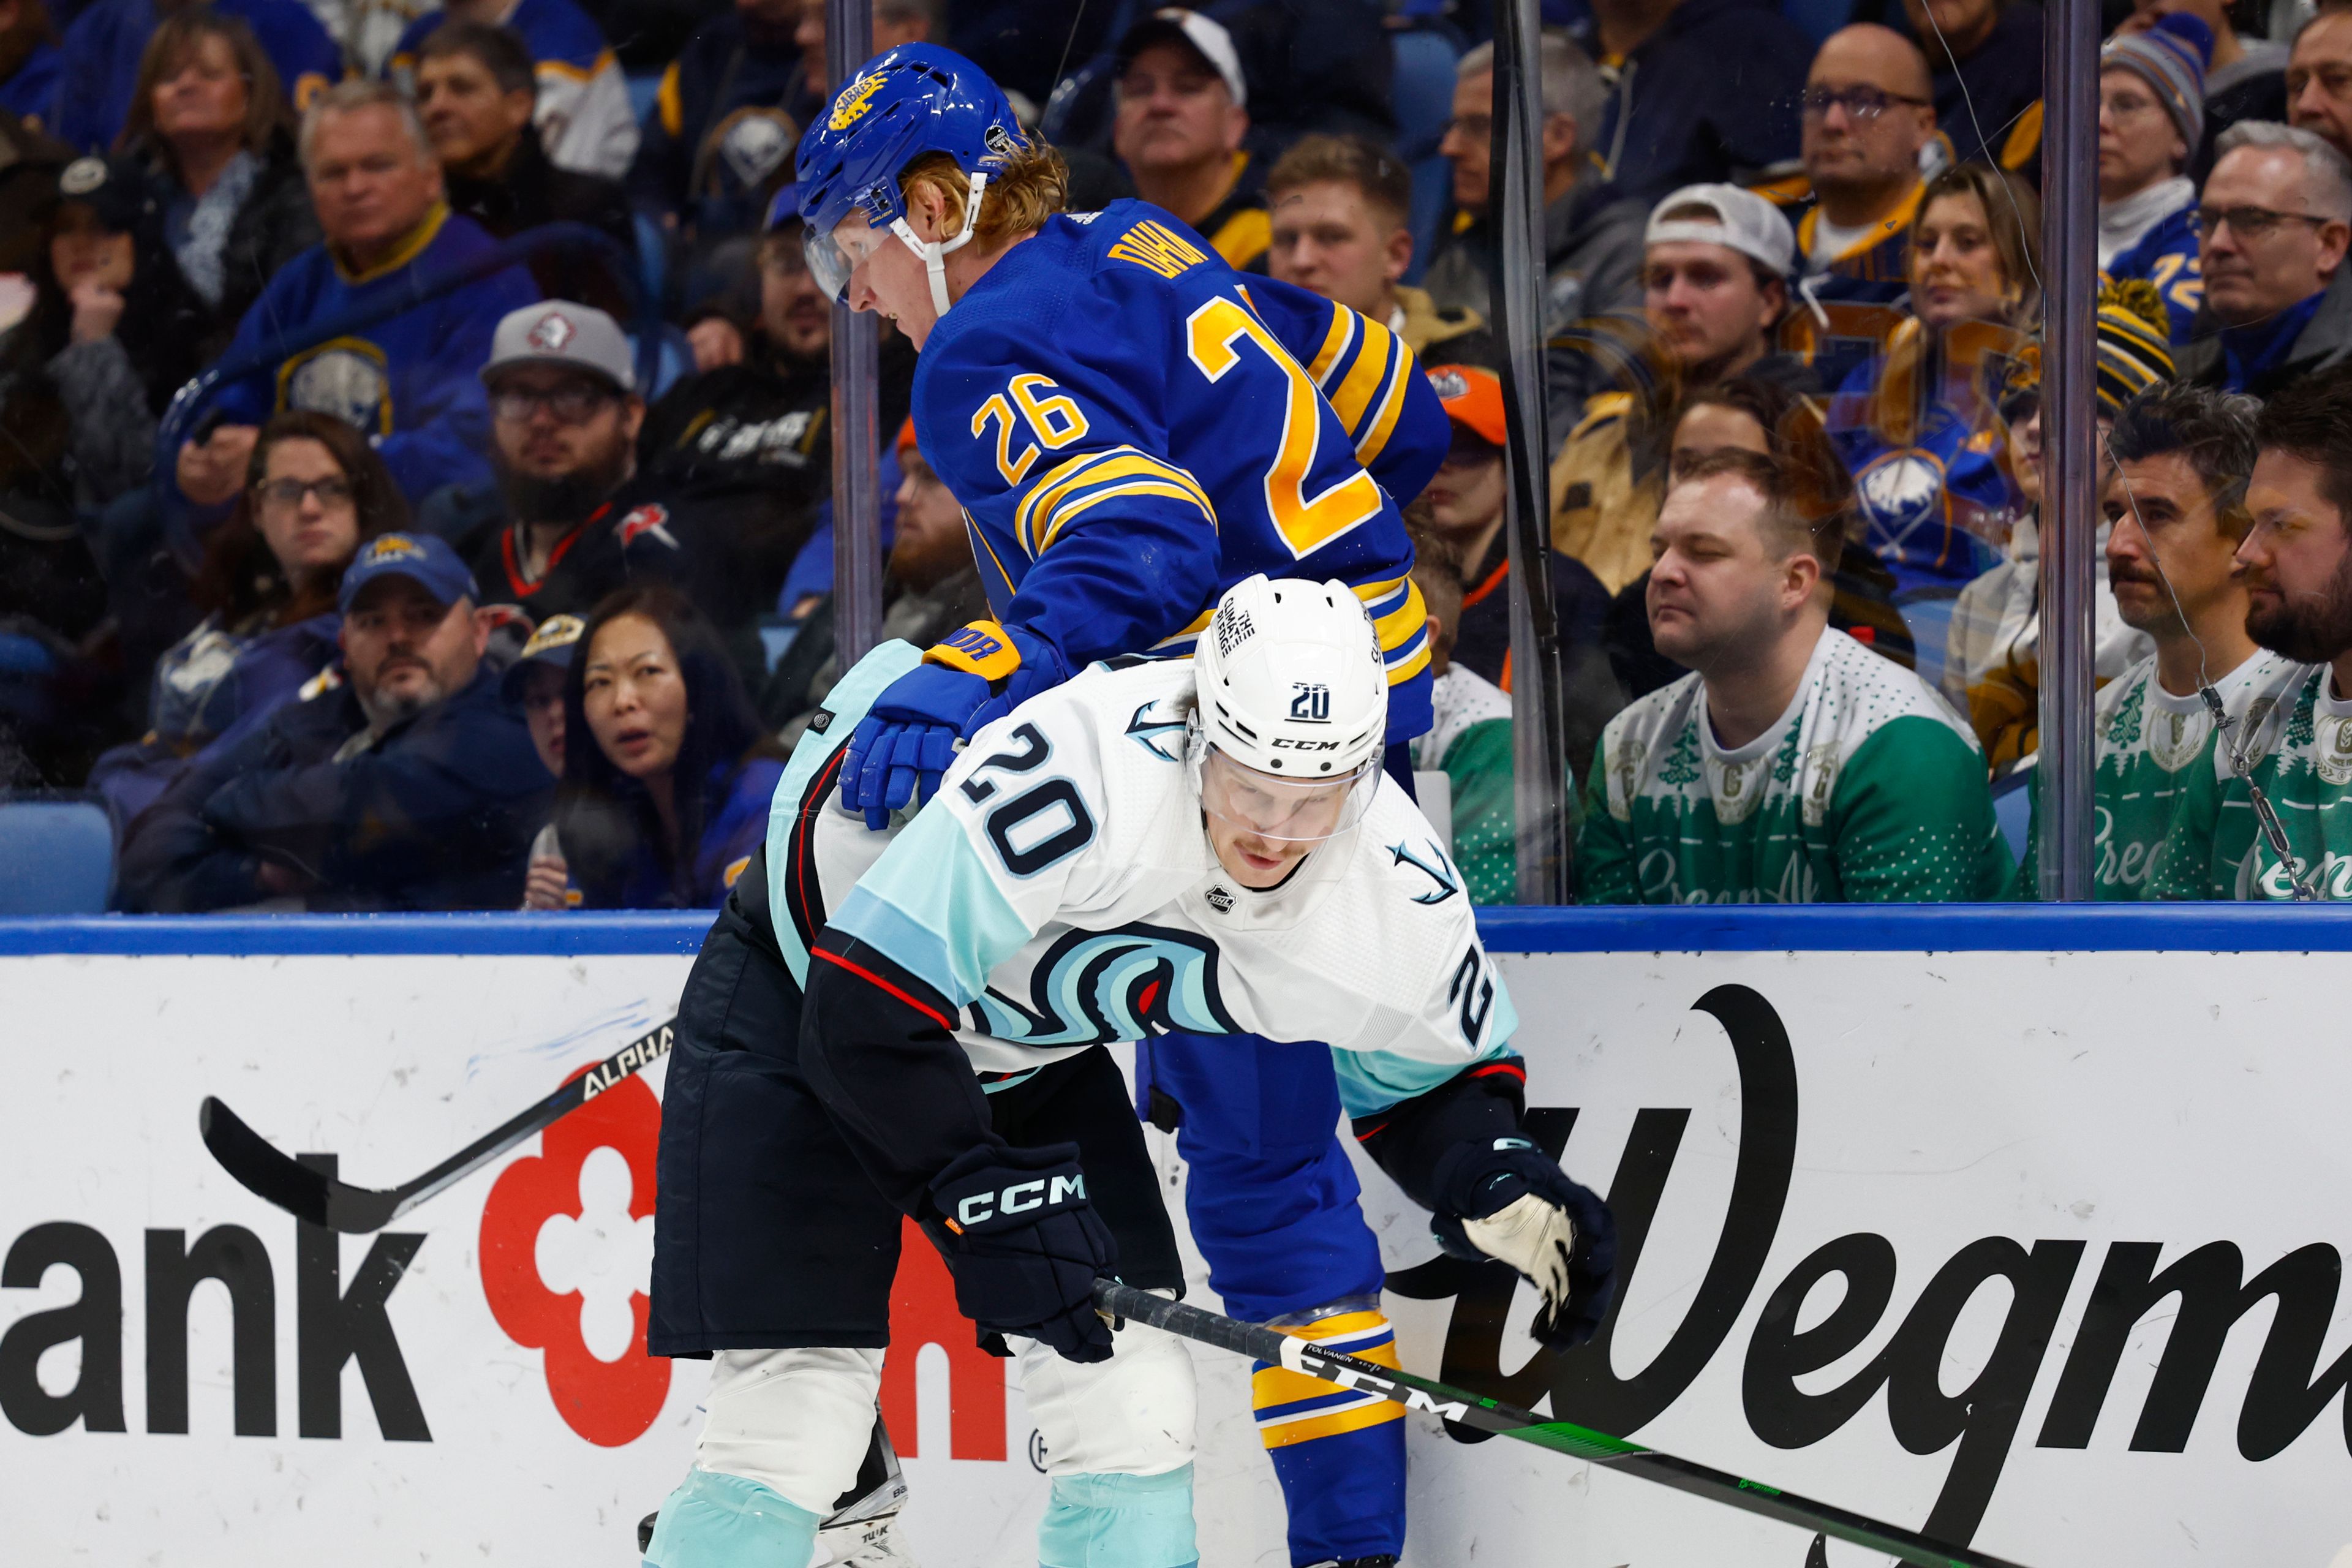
[1021, 1197]
[1286, 744]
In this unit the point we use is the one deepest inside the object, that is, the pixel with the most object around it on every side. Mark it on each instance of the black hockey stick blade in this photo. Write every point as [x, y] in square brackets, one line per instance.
[1507, 1421]
[316, 1198]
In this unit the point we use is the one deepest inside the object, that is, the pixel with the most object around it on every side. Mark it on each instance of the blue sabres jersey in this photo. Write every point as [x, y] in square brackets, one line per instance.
[1133, 426]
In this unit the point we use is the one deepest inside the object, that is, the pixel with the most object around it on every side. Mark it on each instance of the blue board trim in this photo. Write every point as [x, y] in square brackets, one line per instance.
[1835, 928]
[472, 935]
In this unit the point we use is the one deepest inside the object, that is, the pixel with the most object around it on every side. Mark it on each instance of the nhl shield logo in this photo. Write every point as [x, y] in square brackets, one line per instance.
[554, 331]
[1221, 898]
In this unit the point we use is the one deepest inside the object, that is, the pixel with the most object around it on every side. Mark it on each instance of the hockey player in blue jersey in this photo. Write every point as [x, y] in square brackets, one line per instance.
[1132, 426]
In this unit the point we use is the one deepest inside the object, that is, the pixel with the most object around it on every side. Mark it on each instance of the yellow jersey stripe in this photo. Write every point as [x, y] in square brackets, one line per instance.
[1064, 482]
[1392, 406]
[1401, 672]
[1364, 378]
[1335, 342]
[670, 103]
[1064, 513]
[569, 72]
[1355, 1419]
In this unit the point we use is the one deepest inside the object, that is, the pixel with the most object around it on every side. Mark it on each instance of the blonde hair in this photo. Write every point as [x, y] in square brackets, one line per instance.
[1034, 185]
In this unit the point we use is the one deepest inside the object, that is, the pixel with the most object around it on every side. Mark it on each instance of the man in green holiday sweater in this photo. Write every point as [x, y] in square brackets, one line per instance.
[2296, 565]
[1793, 765]
[2176, 514]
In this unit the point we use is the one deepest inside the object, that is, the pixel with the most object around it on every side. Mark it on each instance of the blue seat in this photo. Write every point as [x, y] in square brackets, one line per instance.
[644, 87]
[1422, 94]
[2012, 808]
[57, 858]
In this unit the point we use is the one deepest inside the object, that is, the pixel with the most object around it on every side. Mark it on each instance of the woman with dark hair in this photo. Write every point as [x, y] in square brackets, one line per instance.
[208, 152]
[314, 493]
[666, 773]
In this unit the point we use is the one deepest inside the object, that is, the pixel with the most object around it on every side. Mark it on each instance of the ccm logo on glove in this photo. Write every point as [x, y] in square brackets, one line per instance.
[1022, 1197]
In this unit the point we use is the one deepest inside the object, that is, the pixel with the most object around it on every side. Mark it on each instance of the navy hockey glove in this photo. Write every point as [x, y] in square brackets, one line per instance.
[907, 738]
[1506, 1199]
[1026, 1246]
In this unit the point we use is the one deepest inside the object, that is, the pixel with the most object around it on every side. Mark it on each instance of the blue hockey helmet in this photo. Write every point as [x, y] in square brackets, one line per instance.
[901, 104]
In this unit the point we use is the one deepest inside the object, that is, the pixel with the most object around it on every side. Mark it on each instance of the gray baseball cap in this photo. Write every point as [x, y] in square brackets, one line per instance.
[559, 332]
[1728, 216]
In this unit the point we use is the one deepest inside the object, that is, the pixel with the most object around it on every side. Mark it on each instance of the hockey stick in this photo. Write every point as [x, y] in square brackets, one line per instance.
[317, 1198]
[1487, 1415]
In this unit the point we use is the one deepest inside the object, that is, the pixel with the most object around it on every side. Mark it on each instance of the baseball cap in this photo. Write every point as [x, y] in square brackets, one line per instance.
[1206, 36]
[424, 559]
[1473, 399]
[1743, 221]
[551, 647]
[557, 331]
[99, 186]
[783, 208]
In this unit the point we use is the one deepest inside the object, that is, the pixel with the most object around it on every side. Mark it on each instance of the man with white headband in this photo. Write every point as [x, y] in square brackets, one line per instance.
[914, 1023]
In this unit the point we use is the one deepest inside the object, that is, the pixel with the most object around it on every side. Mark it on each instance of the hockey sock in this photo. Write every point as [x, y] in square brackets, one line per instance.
[1339, 1454]
[715, 1521]
[1120, 1521]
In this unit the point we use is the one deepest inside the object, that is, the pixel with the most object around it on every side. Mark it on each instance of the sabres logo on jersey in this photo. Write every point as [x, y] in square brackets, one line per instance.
[853, 102]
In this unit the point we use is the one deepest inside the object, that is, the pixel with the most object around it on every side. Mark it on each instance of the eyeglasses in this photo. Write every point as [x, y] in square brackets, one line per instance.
[1859, 102]
[570, 404]
[286, 495]
[2251, 222]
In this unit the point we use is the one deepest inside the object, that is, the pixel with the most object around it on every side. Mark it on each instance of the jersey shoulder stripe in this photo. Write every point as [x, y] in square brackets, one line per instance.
[1078, 483]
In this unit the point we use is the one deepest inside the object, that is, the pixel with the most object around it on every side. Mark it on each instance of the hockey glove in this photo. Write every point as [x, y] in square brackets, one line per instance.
[1026, 1246]
[907, 738]
[1506, 1199]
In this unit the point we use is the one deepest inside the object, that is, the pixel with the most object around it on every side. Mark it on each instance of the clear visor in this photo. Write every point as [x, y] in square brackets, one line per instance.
[832, 257]
[1287, 811]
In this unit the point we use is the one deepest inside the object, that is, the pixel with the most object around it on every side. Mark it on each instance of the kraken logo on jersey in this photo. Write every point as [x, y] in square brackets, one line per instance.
[1093, 987]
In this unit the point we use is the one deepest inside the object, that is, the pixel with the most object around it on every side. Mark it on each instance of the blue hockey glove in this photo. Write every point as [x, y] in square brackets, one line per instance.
[1505, 1198]
[1025, 1247]
[907, 738]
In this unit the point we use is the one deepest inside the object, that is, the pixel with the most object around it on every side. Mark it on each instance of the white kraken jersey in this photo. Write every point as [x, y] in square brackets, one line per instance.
[1060, 892]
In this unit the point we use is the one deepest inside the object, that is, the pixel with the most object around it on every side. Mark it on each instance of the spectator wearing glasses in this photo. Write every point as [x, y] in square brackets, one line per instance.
[1715, 282]
[1869, 112]
[1701, 91]
[581, 107]
[210, 167]
[1340, 206]
[2151, 118]
[410, 381]
[2319, 78]
[474, 88]
[2176, 514]
[1793, 764]
[1183, 113]
[2295, 563]
[1592, 231]
[98, 69]
[668, 775]
[1986, 76]
[564, 416]
[2275, 218]
[314, 494]
[28, 59]
[409, 784]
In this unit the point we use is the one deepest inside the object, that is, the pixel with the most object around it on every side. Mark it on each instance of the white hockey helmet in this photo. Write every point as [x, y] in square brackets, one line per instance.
[1291, 690]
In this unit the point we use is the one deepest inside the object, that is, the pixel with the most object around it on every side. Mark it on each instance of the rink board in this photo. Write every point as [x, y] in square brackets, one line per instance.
[1957, 1143]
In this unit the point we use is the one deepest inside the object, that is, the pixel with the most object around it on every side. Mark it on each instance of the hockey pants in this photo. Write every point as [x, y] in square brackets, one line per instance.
[1272, 1201]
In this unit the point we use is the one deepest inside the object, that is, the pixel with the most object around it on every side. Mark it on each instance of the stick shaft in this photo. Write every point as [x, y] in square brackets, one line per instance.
[1508, 1421]
[638, 1054]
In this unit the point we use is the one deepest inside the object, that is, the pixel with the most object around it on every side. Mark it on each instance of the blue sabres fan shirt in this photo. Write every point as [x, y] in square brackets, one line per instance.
[100, 63]
[1133, 426]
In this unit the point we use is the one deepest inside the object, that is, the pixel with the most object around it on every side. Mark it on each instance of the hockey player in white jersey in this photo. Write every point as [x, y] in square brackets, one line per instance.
[915, 1025]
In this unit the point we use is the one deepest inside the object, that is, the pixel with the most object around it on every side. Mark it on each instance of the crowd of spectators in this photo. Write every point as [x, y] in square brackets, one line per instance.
[417, 473]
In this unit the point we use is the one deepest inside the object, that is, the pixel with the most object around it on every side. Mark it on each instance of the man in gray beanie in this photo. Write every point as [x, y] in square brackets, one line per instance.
[2151, 119]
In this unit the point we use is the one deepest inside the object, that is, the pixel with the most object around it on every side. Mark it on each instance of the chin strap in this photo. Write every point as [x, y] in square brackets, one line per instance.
[935, 252]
